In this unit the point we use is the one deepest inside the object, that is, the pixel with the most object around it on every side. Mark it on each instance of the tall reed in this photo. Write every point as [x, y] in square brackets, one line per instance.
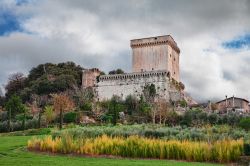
[140, 147]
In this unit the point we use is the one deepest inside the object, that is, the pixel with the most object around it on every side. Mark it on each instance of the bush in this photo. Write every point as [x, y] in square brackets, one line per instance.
[153, 131]
[3, 115]
[30, 132]
[20, 117]
[247, 149]
[4, 126]
[70, 117]
[245, 123]
[87, 106]
[17, 125]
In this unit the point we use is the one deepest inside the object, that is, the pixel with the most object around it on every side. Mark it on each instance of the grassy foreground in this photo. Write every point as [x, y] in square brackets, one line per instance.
[13, 152]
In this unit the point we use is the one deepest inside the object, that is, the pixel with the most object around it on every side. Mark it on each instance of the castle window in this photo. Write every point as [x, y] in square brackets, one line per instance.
[174, 59]
[155, 38]
[152, 68]
[170, 55]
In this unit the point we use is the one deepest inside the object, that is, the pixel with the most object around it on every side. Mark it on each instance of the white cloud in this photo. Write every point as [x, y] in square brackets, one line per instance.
[96, 34]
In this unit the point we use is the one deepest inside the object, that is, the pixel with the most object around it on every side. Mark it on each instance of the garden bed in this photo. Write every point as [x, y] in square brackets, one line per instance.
[223, 151]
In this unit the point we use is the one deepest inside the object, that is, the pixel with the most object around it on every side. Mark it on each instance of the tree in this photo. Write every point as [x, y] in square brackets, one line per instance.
[24, 110]
[117, 71]
[49, 114]
[245, 123]
[16, 83]
[149, 93]
[38, 104]
[131, 104]
[62, 103]
[115, 106]
[13, 106]
[144, 109]
[163, 110]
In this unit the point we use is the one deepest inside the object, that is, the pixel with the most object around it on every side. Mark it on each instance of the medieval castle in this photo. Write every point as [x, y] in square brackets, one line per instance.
[155, 60]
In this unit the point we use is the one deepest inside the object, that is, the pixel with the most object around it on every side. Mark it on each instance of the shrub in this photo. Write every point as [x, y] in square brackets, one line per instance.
[246, 148]
[20, 117]
[4, 126]
[153, 131]
[70, 117]
[17, 126]
[3, 115]
[135, 146]
[41, 131]
[87, 106]
[245, 123]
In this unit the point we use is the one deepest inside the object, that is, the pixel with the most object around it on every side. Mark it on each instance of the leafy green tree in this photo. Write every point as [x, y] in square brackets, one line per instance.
[117, 71]
[115, 106]
[144, 106]
[245, 123]
[24, 110]
[45, 79]
[131, 103]
[149, 93]
[213, 118]
[13, 106]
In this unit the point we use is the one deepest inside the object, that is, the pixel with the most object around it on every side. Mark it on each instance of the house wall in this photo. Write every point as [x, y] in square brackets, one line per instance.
[233, 103]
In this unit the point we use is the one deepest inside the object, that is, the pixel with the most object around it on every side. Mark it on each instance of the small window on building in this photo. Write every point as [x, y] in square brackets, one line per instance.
[155, 38]
[141, 70]
[174, 72]
[170, 55]
[152, 68]
[174, 59]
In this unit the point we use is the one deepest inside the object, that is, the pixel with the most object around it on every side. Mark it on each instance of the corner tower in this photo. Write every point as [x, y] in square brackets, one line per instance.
[156, 53]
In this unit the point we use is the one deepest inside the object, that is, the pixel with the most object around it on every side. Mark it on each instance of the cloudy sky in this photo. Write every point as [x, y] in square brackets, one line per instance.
[214, 38]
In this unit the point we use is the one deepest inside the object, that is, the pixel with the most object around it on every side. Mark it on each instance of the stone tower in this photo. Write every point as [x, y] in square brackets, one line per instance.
[89, 77]
[156, 53]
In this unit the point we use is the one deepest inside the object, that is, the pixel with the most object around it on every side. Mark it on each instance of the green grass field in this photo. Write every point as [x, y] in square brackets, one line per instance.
[13, 152]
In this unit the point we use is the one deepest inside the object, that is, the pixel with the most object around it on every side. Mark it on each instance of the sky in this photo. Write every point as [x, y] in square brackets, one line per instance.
[213, 36]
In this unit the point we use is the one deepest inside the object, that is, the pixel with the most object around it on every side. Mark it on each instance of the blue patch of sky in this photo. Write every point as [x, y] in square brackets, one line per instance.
[9, 23]
[21, 2]
[238, 43]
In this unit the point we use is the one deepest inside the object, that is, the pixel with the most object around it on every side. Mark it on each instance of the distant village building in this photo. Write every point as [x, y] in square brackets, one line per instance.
[233, 104]
[155, 60]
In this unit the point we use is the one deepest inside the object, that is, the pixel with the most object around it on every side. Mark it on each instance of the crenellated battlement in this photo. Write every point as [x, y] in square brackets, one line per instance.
[134, 75]
[155, 60]
[152, 41]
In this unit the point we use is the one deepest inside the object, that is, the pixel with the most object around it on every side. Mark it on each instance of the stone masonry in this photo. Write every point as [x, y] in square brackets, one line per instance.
[155, 61]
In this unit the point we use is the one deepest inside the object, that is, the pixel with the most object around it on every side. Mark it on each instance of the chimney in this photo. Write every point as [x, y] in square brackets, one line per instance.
[233, 101]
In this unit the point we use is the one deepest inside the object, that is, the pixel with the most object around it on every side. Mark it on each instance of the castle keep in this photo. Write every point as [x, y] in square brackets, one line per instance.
[156, 53]
[155, 60]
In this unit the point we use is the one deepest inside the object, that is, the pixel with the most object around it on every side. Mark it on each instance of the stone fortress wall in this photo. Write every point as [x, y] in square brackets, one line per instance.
[133, 84]
[155, 61]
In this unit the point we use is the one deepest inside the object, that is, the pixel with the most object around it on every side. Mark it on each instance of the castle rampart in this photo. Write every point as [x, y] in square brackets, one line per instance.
[155, 61]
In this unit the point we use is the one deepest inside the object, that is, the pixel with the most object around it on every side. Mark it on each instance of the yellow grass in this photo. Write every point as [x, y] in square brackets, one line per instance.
[134, 146]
